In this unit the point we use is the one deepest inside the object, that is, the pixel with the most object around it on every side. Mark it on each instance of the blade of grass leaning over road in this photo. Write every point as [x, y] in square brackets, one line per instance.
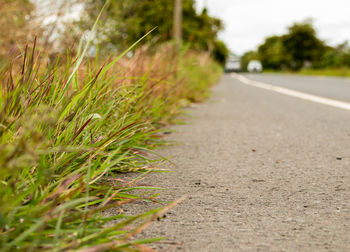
[63, 147]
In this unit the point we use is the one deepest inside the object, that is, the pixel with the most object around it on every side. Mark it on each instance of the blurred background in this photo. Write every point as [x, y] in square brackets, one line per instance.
[59, 25]
[282, 35]
[286, 35]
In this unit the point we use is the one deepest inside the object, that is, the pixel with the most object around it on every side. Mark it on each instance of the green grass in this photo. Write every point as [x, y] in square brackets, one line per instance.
[336, 72]
[341, 72]
[68, 130]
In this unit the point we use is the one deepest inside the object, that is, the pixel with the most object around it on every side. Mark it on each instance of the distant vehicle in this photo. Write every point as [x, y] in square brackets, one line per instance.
[255, 66]
[233, 65]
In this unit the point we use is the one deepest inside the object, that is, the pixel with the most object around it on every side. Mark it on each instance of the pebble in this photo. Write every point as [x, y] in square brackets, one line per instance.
[197, 182]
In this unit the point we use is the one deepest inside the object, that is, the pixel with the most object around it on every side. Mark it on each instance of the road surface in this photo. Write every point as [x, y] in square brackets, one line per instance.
[328, 87]
[263, 171]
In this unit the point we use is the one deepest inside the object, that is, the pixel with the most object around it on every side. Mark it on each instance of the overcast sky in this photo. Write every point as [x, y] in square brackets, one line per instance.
[248, 22]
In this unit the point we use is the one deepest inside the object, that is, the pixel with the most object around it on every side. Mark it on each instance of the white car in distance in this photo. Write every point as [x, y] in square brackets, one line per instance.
[254, 66]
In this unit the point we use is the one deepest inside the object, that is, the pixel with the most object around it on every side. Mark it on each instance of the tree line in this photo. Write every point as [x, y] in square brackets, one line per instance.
[299, 48]
[123, 23]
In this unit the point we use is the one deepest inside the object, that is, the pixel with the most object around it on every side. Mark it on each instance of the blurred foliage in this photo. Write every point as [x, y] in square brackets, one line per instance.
[301, 46]
[220, 52]
[334, 57]
[297, 49]
[59, 25]
[271, 53]
[124, 22]
[248, 56]
[22, 21]
[15, 16]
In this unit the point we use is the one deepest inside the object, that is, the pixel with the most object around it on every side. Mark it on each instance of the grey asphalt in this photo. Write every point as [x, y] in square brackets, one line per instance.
[262, 172]
[328, 87]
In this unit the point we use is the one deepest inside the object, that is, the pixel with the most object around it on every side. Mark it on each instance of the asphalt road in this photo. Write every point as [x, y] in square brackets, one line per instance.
[328, 87]
[262, 171]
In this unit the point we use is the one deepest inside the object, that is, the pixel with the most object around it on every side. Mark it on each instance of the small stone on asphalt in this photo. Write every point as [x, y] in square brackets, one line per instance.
[197, 182]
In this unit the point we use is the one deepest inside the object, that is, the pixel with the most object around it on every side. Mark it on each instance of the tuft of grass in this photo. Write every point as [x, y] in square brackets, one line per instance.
[68, 130]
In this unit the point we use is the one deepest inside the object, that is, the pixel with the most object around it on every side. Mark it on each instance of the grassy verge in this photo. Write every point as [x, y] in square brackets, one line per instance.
[68, 129]
[336, 72]
[341, 72]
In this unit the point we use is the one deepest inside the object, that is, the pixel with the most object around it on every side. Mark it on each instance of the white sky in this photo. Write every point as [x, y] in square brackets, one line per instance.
[248, 22]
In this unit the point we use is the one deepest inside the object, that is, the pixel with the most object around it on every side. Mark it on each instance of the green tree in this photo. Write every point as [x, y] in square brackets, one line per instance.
[301, 45]
[125, 22]
[271, 53]
[331, 58]
[220, 52]
[343, 51]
